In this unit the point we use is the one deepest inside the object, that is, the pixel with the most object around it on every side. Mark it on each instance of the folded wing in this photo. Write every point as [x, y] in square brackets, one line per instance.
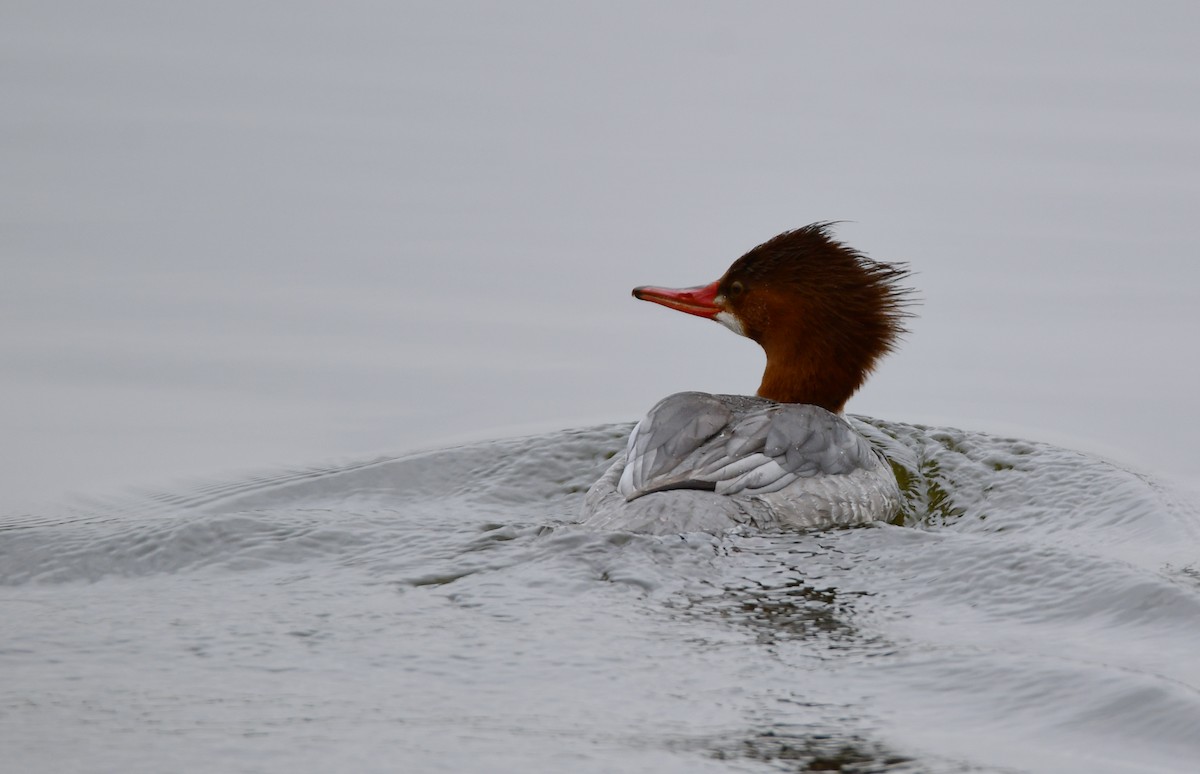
[737, 445]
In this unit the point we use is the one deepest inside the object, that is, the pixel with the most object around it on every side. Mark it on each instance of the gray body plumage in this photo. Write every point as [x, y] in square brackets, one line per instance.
[701, 462]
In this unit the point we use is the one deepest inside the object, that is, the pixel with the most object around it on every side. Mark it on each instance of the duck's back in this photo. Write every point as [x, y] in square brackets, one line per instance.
[701, 462]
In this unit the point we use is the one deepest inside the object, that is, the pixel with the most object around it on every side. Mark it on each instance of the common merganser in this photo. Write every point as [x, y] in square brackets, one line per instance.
[788, 458]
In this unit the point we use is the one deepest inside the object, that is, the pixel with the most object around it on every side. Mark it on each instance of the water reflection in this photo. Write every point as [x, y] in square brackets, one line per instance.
[811, 751]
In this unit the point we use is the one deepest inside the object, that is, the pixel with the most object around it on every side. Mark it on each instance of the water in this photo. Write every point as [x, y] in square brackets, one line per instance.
[1033, 609]
[242, 238]
[248, 238]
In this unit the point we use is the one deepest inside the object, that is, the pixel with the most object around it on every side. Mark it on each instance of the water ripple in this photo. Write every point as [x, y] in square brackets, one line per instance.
[1028, 603]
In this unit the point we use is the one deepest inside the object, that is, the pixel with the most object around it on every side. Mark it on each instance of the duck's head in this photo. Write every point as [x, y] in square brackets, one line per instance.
[823, 313]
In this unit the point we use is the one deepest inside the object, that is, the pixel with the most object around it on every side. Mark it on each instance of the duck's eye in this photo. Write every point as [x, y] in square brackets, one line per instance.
[735, 289]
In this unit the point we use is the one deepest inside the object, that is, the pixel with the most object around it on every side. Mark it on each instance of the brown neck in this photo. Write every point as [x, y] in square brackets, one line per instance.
[797, 375]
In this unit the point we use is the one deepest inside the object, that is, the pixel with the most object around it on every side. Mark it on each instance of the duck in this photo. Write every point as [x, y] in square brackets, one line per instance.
[787, 457]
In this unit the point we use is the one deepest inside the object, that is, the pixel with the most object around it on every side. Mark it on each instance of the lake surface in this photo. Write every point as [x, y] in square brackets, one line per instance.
[1033, 609]
[316, 325]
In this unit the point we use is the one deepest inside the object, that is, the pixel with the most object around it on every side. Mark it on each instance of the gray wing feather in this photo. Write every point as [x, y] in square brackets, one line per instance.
[670, 435]
[737, 445]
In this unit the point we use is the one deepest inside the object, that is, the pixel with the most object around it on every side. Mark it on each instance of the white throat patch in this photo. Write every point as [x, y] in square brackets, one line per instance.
[730, 322]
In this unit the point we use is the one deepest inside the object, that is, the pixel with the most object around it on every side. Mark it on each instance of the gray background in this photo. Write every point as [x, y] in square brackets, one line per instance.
[250, 236]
